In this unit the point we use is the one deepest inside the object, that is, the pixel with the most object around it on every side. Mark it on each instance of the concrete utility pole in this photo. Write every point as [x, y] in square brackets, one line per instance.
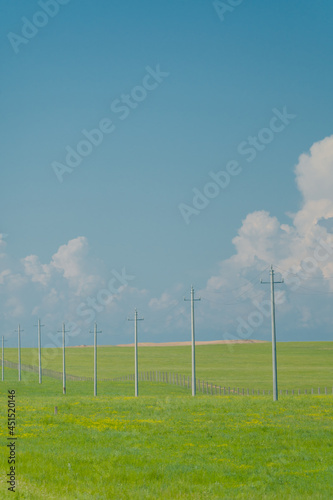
[272, 283]
[192, 299]
[63, 359]
[19, 352]
[136, 319]
[39, 351]
[2, 361]
[95, 358]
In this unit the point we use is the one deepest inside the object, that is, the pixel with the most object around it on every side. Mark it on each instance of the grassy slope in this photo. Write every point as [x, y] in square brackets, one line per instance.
[300, 364]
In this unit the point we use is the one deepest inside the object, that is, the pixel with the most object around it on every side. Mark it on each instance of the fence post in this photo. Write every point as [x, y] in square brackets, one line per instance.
[326, 390]
[247, 391]
[318, 390]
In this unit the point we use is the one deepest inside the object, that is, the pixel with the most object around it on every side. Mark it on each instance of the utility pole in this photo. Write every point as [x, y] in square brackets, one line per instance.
[63, 359]
[39, 325]
[95, 358]
[192, 299]
[272, 283]
[136, 319]
[3, 361]
[19, 351]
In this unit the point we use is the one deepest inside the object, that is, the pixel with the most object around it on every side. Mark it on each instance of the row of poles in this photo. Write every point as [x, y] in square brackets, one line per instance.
[136, 367]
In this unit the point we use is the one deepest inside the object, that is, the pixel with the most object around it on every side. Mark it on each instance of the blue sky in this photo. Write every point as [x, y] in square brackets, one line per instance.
[223, 78]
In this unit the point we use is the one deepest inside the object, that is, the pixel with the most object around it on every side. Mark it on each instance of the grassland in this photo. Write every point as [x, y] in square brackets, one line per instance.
[301, 365]
[166, 444]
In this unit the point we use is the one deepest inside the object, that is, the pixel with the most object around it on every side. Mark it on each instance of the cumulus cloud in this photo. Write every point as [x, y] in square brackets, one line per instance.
[72, 287]
[164, 302]
[70, 258]
[39, 273]
[304, 246]
[314, 171]
[71, 262]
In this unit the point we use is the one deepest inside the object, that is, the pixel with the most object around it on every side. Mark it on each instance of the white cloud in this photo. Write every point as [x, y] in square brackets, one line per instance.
[262, 240]
[314, 171]
[69, 259]
[39, 273]
[164, 302]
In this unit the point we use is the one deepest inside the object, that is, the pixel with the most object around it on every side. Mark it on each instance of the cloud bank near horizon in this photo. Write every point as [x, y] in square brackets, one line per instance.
[72, 285]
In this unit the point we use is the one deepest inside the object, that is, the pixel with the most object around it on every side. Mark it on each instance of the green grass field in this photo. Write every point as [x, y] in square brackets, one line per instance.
[166, 444]
[301, 365]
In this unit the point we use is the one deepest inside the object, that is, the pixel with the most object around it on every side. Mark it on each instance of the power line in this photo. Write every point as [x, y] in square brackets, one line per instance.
[297, 275]
[253, 280]
[236, 302]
